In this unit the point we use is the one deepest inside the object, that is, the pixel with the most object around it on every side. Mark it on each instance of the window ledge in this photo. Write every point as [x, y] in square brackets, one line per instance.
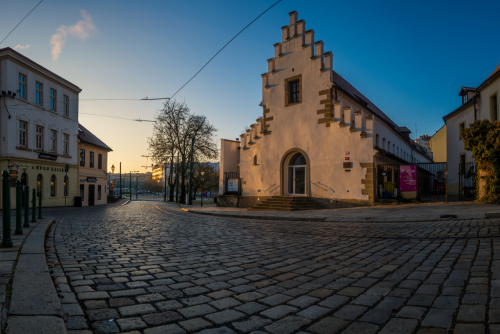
[65, 156]
[39, 151]
[22, 148]
[292, 104]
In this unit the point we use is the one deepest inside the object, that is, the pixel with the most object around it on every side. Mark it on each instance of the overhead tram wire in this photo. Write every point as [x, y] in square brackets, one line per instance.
[224, 47]
[20, 22]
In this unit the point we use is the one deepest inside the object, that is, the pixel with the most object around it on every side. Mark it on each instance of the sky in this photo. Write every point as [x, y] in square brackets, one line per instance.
[409, 58]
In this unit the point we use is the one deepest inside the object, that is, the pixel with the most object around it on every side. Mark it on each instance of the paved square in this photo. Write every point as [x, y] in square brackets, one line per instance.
[147, 267]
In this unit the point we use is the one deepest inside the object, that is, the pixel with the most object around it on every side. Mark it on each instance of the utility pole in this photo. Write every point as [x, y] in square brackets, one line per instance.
[191, 158]
[130, 185]
[165, 183]
[120, 180]
[177, 180]
[136, 185]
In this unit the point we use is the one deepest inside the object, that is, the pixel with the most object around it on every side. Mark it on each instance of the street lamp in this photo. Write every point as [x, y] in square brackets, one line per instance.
[202, 180]
[111, 181]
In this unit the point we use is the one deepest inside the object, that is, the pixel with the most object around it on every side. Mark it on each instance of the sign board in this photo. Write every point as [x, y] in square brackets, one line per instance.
[408, 178]
[233, 185]
[47, 156]
[13, 178]
[346, 158]
[91, 179]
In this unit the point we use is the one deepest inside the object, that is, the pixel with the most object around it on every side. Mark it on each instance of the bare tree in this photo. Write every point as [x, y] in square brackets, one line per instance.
[174, 129]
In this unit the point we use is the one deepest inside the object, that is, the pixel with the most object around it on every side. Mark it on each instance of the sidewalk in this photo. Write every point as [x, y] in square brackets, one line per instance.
[387, 213]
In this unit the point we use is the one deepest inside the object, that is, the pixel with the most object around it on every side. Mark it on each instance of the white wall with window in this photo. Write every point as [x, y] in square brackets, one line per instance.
[39, 124]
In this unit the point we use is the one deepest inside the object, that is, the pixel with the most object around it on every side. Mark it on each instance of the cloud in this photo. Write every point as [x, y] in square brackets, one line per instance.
[82, 30]
[19, 46]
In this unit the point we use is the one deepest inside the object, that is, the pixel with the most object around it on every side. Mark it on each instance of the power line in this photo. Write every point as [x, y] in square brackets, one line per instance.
[224, 47]
[20, 22]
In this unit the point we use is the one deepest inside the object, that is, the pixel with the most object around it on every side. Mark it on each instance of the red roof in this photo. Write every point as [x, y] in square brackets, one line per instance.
[89, 138]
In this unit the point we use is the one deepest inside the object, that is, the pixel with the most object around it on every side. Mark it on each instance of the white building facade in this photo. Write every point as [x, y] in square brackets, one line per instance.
[318, 137]
[39, 128]
[477, 104]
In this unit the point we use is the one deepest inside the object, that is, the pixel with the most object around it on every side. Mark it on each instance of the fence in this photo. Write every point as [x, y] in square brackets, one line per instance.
[232, 184]
[431, 181]
[467, 181]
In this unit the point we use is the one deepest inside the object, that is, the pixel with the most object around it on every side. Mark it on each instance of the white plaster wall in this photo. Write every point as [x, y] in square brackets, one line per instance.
[28, 111]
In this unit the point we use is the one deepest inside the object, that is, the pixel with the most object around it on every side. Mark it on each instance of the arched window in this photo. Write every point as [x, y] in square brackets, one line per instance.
[39, 183]
[53, 186]
[255, 159]
[66, 185]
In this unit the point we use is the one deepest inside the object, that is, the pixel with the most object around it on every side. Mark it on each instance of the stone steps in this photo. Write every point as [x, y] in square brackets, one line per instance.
[284, 203]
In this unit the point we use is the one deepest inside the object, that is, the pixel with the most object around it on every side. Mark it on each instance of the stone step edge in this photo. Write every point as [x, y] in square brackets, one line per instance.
[430, 218]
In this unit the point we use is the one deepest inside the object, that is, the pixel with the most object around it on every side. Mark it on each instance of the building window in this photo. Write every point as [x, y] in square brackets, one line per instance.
[462, 163]
[98, 192]
[53, 100]
[22, 133]
[389, 146]
[91, 160]
[465, 97]
[99, 161]
[461, 128]
[22, 86]
[39, 138]
[65, 144]
[383, 143]
[293, 88]
[393, 149]
[65, 105]
[494, 108]
[53, 186]
[39, 183]
[66, 180]
[376, 140]
[82, 191]
[53, 141]
[39, 93]
[82, 157]
[255, 159]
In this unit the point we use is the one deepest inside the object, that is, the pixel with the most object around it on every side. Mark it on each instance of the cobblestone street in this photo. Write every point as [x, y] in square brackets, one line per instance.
[148, 267]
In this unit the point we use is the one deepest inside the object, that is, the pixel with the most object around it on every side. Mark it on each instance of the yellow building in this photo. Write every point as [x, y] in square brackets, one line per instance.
[92, 173]
[438, 145]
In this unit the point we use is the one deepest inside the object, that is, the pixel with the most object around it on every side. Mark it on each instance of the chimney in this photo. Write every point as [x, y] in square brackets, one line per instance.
[310, 41]
[301, 31]
[318, 46]
[278, 50]
[293, 23]
[285, 33]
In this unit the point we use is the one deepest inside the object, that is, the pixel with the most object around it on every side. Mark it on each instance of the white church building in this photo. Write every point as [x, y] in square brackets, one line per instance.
[318, 136]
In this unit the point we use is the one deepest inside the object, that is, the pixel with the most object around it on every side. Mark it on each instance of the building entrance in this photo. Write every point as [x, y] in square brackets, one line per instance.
[297, 175]
[91, 194]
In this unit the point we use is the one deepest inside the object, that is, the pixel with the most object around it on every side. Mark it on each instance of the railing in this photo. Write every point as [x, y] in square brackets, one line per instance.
[467, 181]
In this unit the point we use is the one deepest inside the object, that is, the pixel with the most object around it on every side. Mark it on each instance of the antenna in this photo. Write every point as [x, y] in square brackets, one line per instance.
[416, 132]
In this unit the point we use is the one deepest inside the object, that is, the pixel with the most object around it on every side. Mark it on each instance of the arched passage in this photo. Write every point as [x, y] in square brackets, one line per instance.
[295, 172]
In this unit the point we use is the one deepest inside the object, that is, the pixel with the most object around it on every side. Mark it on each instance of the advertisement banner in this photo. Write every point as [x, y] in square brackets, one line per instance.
[408, 178]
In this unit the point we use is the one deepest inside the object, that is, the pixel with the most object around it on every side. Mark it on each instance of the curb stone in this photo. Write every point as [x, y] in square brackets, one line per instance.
[34, 307]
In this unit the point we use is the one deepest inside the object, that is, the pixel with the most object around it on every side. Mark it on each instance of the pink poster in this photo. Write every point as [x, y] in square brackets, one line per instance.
[408, 178]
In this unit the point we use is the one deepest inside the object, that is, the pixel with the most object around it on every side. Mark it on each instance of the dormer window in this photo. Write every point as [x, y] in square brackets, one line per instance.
[464, 98]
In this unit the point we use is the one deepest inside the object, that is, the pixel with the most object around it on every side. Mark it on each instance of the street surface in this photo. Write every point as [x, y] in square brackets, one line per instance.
[148, 267]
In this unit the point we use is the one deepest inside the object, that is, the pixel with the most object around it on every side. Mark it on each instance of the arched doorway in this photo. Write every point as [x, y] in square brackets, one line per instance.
[295, 173]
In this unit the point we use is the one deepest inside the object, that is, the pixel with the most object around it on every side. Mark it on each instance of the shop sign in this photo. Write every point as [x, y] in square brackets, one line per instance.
[83, 180]
[91, 179]
[13, 178]
[408, 177]
[52, 169]
[24, 166]
[47, 156]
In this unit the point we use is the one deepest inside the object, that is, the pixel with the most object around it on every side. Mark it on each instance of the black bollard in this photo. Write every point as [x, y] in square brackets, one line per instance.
[26, 206]
[40, 205]
[19, 208]
[33, 209]
[7, 239]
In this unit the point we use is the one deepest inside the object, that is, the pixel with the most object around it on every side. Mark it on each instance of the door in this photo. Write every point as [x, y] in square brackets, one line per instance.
[297, 180]
[91, 194]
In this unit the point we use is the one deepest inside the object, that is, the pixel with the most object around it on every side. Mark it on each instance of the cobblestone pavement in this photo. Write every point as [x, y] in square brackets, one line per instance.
[150, 268]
